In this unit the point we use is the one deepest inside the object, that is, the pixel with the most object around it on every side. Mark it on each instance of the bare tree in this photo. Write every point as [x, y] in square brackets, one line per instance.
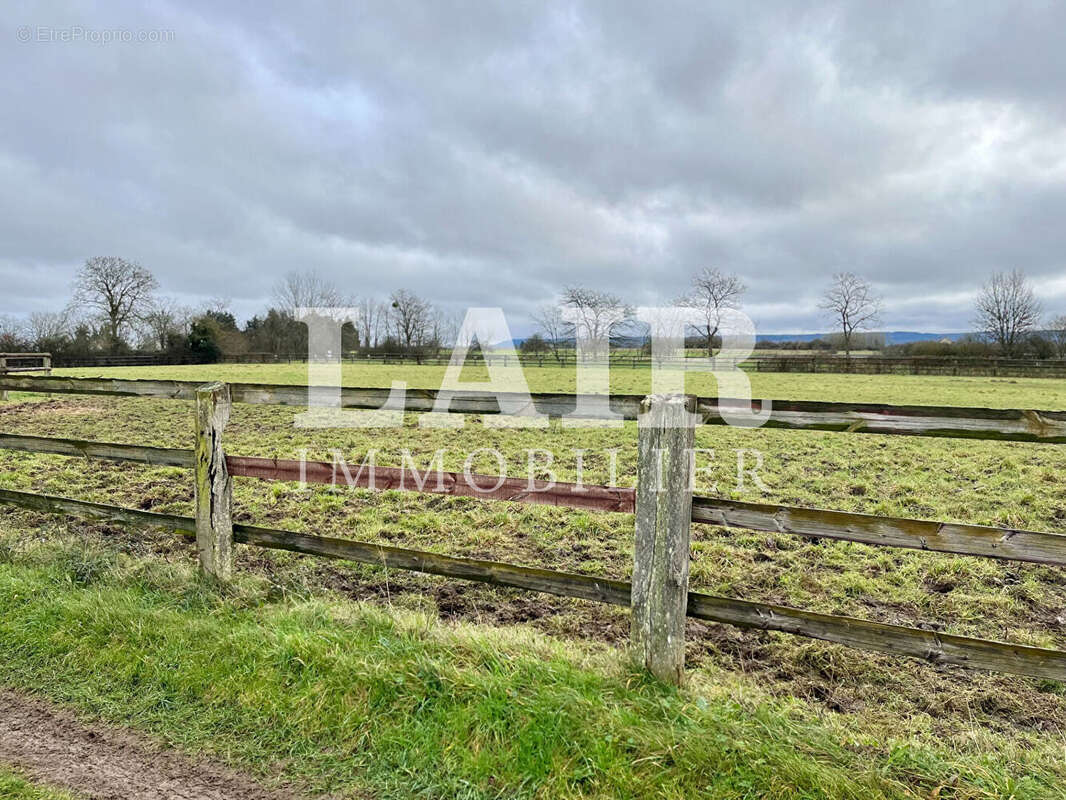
[307, 289]
[218, 305]
[446, 326]
[1057, 333]
[597, 313]
[380, 329]
[556, 330]
[712, 293]
[12, 334]
[852, 303]
[1007, 309]
[410, 318]
[164, 319]
[372, 317]
[48, 330]
[120, 290]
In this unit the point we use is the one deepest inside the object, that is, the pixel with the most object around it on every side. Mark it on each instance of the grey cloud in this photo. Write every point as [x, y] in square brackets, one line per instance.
[489, 154]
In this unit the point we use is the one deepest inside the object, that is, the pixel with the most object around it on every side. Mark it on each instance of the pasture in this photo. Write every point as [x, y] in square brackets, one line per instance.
[533, 686]
[1034, 393]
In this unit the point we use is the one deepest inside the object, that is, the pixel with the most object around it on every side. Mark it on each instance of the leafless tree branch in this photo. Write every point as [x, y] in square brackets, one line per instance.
[1007, 309]
[120, 290]
[853, 304]
[712, 293]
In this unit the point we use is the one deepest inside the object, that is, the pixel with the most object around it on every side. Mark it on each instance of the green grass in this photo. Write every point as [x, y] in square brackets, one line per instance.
[1027, 393]
[868, 705]
[350, 698]
[1010, 484]
[15, 787]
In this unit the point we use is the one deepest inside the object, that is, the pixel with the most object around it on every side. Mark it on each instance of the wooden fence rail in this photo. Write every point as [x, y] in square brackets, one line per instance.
[759, 361]
[663, 503]
[23, 362]
[945, 537]
[1020, 425]
[1010, 544]
[107, 451]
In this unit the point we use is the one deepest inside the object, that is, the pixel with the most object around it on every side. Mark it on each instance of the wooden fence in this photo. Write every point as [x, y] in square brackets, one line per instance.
[913, 365]
[24, 362]
[756, 362]
[662, 503]
[127, 360]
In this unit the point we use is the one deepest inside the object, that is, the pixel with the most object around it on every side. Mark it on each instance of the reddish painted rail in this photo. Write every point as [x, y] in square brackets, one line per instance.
[458, 484]
[947, 537]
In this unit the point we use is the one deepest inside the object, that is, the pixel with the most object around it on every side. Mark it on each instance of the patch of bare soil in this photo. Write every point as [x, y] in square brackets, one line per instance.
[105, 763]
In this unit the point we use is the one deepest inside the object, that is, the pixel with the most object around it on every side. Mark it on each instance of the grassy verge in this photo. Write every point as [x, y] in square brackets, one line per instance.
[14, 787]
[349, 698]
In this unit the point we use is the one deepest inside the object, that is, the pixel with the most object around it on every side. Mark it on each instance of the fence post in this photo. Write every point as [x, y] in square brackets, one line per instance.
[661, 549]
[214, 487]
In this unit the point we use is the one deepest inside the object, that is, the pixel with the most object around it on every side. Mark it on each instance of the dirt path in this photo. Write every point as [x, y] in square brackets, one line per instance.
[104, 763]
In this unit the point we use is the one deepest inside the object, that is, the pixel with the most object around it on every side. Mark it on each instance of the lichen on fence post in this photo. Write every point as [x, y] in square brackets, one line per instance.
[661, 548]
[214, 487]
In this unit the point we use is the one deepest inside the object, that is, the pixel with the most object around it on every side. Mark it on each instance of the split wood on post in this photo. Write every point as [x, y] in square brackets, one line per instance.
[661, 541]
[214, 487]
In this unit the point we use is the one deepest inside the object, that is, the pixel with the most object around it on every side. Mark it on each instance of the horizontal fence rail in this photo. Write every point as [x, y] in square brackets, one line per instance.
[1018, 425]
[946, 537]
[758, 361]
[931, 646]
[953, 422]
[106, 451]
[912, 365]
[128, 360]
[25, 362]
[456, 484]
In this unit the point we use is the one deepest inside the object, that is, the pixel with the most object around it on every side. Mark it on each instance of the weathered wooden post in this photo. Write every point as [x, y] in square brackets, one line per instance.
[214, 487]
[661, 550]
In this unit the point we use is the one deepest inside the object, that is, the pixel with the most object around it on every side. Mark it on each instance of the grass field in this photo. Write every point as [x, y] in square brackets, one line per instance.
[1030, 393]
[465, 690]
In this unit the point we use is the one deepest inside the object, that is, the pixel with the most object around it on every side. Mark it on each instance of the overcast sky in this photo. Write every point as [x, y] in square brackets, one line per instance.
[488, 154]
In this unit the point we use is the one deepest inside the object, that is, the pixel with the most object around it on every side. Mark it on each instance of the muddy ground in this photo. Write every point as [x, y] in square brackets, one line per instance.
[51, 746]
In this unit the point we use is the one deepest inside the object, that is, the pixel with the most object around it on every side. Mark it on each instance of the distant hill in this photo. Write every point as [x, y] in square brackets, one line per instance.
[891, 337]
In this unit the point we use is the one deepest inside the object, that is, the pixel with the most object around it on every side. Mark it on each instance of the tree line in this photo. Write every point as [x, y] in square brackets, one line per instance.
[116, 308]
[1008, 318]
